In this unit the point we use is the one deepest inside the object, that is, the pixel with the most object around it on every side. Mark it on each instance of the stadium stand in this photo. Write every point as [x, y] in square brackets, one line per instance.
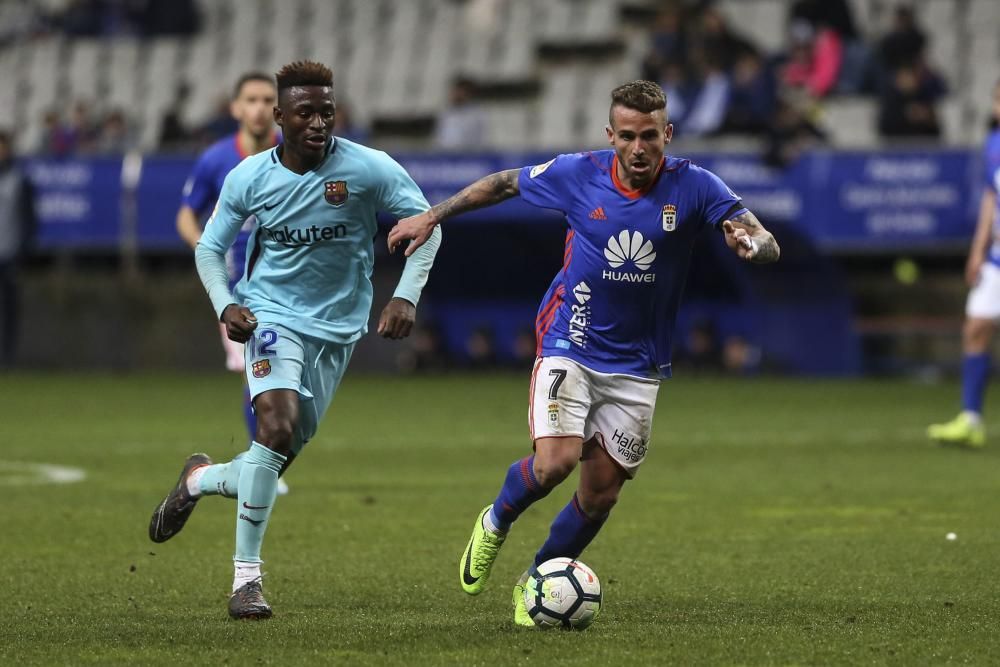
[531, 58]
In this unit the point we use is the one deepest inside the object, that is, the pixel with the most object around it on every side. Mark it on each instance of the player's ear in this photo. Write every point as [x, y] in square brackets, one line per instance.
[611, 134]
[234, 110]
[668, 133]
[277, 116]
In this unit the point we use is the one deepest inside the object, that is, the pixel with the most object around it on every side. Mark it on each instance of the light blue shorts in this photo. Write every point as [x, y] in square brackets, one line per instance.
[278, 358]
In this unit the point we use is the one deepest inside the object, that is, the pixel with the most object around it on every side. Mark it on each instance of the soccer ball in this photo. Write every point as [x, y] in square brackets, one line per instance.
[563, 593]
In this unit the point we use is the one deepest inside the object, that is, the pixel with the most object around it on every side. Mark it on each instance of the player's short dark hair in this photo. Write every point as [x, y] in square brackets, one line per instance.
[247, 78]
[644, 96]
[304, 73]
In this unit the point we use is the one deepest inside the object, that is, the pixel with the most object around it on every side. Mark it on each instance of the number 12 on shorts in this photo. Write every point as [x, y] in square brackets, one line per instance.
[263, 341]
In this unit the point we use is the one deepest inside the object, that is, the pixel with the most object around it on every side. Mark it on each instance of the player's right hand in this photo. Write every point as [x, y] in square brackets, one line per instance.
[240, 322]
[418, 229]
[972, 268]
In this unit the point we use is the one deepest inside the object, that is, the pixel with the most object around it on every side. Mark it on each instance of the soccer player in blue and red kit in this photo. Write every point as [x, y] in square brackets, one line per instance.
[982, 308]
[253, 100]
[605, 327]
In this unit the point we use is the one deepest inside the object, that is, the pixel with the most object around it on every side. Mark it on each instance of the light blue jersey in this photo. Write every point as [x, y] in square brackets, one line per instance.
[309, 262]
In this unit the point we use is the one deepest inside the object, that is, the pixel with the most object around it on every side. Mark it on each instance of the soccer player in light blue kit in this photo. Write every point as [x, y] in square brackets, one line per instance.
[253, 107]
[605, 327]
[302, 304]
[982, 309]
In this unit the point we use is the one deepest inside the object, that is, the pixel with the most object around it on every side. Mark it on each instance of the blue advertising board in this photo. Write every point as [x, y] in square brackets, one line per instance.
[883, 201]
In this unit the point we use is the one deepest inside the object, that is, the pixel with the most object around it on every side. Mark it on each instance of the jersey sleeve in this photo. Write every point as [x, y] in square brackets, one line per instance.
[991, 162]
[717, 200]
[397, 193]
[199, 189]
[550, 184]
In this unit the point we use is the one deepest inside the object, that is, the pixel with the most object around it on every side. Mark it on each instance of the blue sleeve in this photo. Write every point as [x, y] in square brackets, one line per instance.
[550, 184]
[199, 189]
[717, 200]
[397, 193]
[991, 162]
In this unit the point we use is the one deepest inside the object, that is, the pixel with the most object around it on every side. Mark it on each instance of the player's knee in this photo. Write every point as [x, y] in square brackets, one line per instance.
[276, 432]
[551, 472]
[597, 504]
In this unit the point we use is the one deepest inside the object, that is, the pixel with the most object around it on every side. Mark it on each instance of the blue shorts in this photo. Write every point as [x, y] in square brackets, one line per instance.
[278, 358]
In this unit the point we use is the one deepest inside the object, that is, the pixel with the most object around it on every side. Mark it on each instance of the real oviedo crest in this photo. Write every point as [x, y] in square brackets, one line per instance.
[669, 217]
[336, 192]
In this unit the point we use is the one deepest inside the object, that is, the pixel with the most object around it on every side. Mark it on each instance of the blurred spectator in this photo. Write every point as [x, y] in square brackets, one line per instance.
[480, 348]
[173, 133]
[904, 43]
[856, 62]
[715, 37]
[19, 19]
[220, 124]
[791, 132]
[907, 105]
[81, 128]
[113, 137]
[17, 227]
[752, 95]
[669, 42]
[679, 89]
[708, 109]
[56, 139]
[739, 356]
[463, 124]
[814, 58]
[701, 346]
[525, 347]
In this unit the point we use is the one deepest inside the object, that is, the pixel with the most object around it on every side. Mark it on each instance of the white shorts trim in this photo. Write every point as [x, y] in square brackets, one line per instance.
[568, 399]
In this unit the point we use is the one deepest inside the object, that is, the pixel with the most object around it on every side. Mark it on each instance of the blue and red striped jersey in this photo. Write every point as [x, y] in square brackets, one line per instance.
[613, 305]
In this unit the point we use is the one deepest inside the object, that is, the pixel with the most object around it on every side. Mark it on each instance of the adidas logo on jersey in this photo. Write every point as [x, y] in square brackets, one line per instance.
[598, 214]
[629, 248]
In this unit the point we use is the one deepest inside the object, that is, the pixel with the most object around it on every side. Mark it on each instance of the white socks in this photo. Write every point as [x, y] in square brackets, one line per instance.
[194, 479]
[489, 525]
[245, 573]
[974, 417]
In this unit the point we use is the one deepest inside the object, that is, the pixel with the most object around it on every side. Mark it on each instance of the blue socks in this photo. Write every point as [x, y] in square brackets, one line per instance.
[975, 371]
[258, 483]
[520, 489]
[570, 533]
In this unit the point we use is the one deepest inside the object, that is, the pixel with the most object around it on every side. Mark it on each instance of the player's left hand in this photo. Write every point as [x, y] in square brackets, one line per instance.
[739, 241]
[418, 228]
[397, 319]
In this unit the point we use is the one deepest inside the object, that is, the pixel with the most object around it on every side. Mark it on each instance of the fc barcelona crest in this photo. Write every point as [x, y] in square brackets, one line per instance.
[336, 192]
[669, 217]
[262, 368]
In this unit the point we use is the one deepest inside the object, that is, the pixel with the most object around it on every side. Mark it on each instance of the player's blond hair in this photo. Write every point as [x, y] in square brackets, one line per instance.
[304, 73]
[644, 96]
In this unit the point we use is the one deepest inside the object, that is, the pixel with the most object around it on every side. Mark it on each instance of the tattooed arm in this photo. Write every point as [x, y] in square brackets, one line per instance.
[487, 191]
[748, 239]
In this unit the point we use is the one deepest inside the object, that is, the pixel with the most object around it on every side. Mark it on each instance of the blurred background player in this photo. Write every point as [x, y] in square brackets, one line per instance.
[982, 309]
[252, 106]
[634, 215]
[17, 227]
[316, 197]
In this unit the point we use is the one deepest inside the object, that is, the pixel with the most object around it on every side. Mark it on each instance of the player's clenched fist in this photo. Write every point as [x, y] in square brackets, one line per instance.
[239, 321]
[418, 229]
[397, 319]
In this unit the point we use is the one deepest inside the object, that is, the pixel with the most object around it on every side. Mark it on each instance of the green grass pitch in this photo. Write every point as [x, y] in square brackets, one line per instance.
[774, 522]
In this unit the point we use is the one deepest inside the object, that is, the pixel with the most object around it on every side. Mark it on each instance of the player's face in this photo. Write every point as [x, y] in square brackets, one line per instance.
[639, 139]
[305, 115]
[252, 108]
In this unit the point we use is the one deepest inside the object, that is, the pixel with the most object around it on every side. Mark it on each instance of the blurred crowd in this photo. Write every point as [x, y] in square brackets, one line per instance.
[20, 19]
[718, 81]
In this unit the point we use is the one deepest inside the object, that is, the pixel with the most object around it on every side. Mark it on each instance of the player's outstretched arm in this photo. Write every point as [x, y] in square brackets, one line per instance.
[982, 239]
[747, 238]
[487, 191]
[187, 226]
